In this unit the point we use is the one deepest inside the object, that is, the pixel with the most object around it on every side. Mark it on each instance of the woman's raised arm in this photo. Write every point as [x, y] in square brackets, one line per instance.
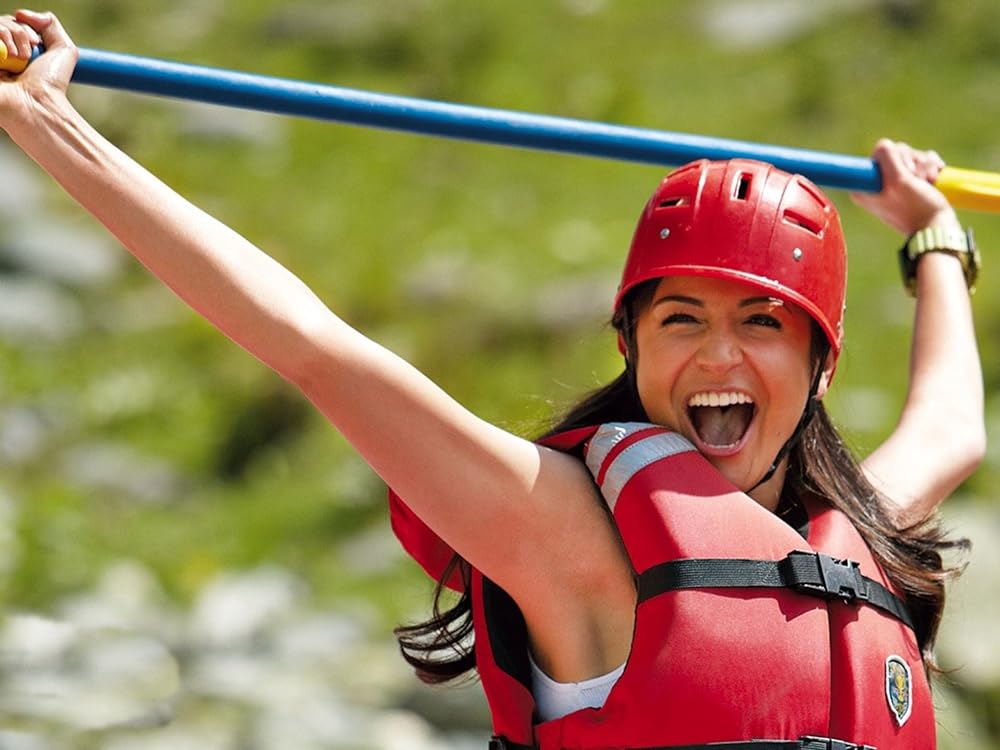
[940, 437]
[470, 481]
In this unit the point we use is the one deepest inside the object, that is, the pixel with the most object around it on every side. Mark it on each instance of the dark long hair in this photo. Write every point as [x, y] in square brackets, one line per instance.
[819, 464]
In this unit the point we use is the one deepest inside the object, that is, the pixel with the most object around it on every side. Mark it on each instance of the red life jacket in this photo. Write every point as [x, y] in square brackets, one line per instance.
[745, 629]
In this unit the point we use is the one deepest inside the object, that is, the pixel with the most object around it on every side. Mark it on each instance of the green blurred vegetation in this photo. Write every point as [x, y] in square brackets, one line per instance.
[469, 260]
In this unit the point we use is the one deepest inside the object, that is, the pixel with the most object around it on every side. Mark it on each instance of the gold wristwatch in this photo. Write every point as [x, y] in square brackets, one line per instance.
[952, 240]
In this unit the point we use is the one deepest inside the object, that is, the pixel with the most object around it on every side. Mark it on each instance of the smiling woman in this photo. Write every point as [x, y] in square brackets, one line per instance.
[730, 317]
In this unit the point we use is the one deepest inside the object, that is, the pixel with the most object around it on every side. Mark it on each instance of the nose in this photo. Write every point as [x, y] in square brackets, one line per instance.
[719, 351]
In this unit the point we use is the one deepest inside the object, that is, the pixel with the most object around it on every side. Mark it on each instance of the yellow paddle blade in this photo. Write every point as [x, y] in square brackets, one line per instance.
[11, 64]
[968, 188]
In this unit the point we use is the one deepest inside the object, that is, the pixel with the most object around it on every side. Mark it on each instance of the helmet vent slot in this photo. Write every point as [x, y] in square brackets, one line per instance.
[742, 188]
[792, 217]
[671, 202]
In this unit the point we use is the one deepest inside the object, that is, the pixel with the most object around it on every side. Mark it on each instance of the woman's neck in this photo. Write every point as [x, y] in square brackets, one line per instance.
[768, 494]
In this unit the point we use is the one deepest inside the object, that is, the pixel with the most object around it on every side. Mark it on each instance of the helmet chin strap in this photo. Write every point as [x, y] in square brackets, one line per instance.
[807, 414]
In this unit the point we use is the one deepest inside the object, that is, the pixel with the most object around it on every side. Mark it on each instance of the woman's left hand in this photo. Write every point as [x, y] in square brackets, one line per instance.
[908, 200]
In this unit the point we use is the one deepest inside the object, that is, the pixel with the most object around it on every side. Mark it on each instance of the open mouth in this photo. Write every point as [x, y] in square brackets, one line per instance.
[721, 419]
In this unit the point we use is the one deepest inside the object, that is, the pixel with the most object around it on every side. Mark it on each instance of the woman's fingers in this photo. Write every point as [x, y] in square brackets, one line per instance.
[888, 155]
[924, 164]
[908, 200]
[55, 67]
[46, 26]
[17, 38]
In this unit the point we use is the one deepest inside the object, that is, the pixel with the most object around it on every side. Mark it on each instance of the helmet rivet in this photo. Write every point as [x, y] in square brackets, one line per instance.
[664, 233]
[797, 254]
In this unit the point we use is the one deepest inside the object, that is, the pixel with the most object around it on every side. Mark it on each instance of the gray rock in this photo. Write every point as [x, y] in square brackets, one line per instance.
[71, 253]
[83, 679]
[13, 740]
[21, 189]
[24, 431]
[118, 468]
[312, 722]
[445, 273]
[30, 642]
[372, 551]
[193, 736]
[349, 23]
[37, 311]
[239, 677]
[578, 241]
[207, 121]
[450, 708]
[127, 597]
[123, 392]
[401, 730]
[762, 23]
[574, 302]
[585, 7]
[318, 639]
[238, 607]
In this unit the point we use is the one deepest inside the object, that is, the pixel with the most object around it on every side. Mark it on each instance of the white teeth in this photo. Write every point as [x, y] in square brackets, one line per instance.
[712, 398]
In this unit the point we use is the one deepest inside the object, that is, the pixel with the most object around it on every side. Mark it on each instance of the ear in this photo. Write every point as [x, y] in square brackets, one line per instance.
[829, 365]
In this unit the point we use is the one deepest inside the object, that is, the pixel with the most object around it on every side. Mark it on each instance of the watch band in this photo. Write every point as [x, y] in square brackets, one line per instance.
[952, 240]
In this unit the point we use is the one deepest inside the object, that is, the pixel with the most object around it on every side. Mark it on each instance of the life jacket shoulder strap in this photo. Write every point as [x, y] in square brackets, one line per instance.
[810, 573]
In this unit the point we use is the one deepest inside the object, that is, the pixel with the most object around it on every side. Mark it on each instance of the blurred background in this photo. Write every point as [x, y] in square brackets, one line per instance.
[191, 558]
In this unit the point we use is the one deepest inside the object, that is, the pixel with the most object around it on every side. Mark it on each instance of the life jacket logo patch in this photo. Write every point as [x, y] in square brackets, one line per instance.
[898, 688]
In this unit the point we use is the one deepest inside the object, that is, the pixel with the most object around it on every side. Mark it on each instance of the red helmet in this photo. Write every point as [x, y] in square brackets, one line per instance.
[746, 221]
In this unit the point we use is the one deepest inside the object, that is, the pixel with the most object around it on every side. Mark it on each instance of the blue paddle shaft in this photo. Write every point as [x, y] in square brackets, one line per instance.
[230, 88]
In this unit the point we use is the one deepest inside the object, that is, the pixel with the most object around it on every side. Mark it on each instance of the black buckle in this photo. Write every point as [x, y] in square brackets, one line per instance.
[842, 579]
[838, 579]
[825, 743]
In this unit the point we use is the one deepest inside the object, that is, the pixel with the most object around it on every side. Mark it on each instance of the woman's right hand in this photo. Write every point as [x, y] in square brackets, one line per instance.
[48, 75]
[908, 200]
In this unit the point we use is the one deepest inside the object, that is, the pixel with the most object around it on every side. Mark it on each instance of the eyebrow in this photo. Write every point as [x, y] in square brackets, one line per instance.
[680, 298]
[748, 302]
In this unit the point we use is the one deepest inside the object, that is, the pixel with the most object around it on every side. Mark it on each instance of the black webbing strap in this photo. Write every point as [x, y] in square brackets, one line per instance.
[804, 743]
[809, 573]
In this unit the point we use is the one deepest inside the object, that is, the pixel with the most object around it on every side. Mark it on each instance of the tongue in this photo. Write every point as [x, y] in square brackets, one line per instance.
[721, 426]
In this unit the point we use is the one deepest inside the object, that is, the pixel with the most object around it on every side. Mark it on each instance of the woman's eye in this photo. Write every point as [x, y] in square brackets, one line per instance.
[678, 318]
[768, 321]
